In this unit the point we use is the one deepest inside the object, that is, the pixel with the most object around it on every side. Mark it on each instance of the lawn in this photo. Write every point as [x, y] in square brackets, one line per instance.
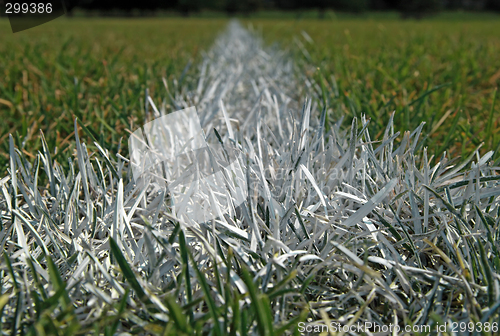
[94, 69]
[441, 71]
[339, 226]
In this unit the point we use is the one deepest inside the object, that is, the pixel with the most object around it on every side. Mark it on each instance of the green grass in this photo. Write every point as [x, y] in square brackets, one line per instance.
[428, 70]
[375, 64]
[94, 69]
[380, 64]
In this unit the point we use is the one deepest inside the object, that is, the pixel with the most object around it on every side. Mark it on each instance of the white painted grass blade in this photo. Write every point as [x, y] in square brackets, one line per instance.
[371, 204]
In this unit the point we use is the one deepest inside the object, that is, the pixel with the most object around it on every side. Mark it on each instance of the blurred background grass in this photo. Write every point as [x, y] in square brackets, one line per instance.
[95, 69]
[442, 70]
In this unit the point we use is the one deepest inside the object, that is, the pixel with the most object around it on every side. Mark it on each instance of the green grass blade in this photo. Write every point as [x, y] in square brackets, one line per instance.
[128, 274]
[208, 296]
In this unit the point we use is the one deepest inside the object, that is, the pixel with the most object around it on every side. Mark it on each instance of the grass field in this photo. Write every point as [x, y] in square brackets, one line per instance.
[444, 72]
[94, 69]
[338, 227]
